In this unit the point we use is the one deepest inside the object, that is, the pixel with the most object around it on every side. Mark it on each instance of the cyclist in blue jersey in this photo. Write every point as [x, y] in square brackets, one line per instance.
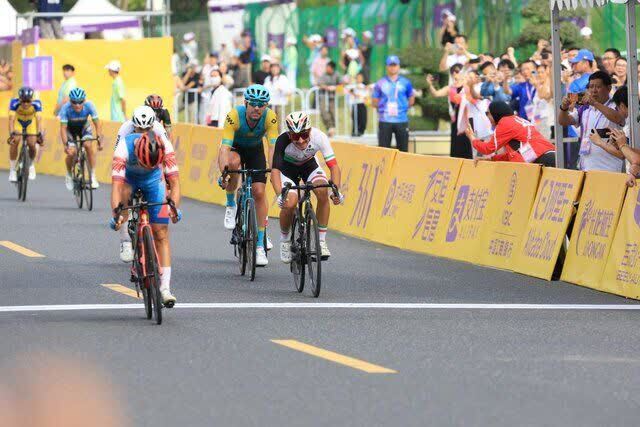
[74, 124]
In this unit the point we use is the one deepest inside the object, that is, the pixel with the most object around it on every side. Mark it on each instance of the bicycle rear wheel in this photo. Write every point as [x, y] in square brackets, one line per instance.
[153, 276]
[78, 182]
[241, 244]
[297, 253]
[88, 190]
[314, 258]
[19, 176]
[251, 238]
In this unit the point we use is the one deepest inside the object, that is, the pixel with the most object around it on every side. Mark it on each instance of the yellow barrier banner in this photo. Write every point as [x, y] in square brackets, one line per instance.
[200, 169]
[548, 222]
[146, 69]
[622, 272]
[105, 157]
[594, 228]
[513, 191]
[4, 147]
[417, 193]
[365, 171]
[51, 155]
[468, 212]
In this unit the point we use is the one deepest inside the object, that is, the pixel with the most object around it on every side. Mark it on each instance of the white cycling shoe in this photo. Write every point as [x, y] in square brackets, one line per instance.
[94, 181]
[324, 250]
[13, 175]
[167, 298]
[261, 257]
[230, 217]
[32, 173]
[285, 252]
[68, 182]
[126, 251]
[269, 244]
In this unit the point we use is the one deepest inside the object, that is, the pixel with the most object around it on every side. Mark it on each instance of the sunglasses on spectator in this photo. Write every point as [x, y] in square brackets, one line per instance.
[77, 102]
[257, 104]
[295, 136]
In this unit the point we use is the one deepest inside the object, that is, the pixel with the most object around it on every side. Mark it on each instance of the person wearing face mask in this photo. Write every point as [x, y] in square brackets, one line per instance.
[220, 102]
[279, 87]
[514, 139]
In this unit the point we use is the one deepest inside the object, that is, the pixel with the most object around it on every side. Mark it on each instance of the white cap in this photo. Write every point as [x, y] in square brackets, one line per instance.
[348, 32]
[586, 31]
[353, 53]
[113, 66]
[292, 40]
[189, 36]
[368, 34]
[265, 58]
[315, 37]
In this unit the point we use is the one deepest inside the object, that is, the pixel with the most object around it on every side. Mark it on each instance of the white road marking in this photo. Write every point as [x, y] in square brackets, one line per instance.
[294, 305]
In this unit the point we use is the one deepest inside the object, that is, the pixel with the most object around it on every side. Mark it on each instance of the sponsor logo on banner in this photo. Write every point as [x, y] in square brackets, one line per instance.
[432, 205]
[198, 152]
[370, 178]
[503, 246]
[595, 223]
[399, 192]
[468, 213]
[554, 196]
[628, 271]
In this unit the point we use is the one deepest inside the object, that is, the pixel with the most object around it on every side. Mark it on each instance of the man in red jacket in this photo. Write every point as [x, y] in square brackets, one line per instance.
[514, 139]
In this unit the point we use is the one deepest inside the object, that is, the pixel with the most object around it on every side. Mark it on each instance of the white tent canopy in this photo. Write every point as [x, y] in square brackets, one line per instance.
[106, 18]
[8, 28]
[573, 4]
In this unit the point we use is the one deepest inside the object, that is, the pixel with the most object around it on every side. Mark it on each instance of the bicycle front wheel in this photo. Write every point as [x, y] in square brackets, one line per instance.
[88, 190]
[251, 234]
[78, 182]
[297, 253]
[314, 255]
[241, 244]
[24, 173]
[153, 275]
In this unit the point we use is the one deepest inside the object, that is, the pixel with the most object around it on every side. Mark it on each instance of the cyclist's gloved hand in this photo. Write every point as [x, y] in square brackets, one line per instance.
[281, 201]
[112, 223]
[339, 199]
[178, 215]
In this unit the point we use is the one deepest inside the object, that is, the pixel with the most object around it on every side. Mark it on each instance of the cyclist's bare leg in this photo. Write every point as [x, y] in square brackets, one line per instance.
[287, 212]
[125, 195]
[258, 191]
[324, 208]
[13, 152]
[91, 153]
[161, 239]
[70, 158]
[234, 178]
[31, 142]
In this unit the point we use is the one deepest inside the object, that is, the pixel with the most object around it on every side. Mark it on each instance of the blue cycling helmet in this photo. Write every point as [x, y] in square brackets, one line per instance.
[257, 93]
[25, 93]
[77, 95]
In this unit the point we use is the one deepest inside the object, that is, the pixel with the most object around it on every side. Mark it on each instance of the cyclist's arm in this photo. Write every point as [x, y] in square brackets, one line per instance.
[12, 119]
[231, 124]
[39, 122]
[167, 124]
[118, 174]
[171, 172]
[272, 133]
[37, 107]
[278, 158]
[63, 133]
[329, 156]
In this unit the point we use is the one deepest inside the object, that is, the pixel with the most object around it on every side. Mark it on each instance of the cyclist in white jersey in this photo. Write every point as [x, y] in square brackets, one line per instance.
[127, 128]
[294, 161]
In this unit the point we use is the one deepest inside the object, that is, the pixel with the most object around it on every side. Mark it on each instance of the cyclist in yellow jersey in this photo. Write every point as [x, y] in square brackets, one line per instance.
[24, 115]
[244, 129]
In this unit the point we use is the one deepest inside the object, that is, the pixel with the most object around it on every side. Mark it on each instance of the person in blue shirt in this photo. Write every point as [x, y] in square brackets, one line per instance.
[581, 65]
[393, 96]
[75, 126]
[523, 93]
[495, 85]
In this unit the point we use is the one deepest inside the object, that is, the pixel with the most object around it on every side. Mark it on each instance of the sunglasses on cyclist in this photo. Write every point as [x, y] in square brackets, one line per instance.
[257, 104]
[295, 136]
[77, 102]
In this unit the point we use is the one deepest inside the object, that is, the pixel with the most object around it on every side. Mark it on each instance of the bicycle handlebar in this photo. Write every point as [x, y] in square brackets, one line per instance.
[245, 171]
[309, 186]
[118, 210]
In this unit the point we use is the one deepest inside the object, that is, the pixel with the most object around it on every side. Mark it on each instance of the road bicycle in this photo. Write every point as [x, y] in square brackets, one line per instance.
[145, 269]
[81, 172]
[305, 237]
[244, 237]
[24, 161]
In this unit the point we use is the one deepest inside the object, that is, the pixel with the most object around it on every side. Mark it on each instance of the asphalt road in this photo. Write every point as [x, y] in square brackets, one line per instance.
[470, 345]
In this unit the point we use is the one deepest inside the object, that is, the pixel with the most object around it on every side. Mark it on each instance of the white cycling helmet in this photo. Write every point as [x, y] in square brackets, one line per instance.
[298, 122]
[144, 117]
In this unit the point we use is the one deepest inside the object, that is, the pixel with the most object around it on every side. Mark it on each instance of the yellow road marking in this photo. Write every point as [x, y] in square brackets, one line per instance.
[335, 357]
[20, 249]
[121, 289]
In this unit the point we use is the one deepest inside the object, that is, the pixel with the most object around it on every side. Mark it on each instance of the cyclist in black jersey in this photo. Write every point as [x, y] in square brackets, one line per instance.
[162, 114]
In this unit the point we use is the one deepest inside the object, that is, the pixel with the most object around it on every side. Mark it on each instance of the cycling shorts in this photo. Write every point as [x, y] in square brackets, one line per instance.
[85, 132]
[154, 191]
[253, 158]
[31, 126]
[306, 172]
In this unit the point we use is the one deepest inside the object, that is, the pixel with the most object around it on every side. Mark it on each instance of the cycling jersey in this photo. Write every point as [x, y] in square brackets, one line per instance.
[164, 117]
[151, 181]
[25, 116]
[78, 121]
[127, 128]
[295, 164]
[238, 133]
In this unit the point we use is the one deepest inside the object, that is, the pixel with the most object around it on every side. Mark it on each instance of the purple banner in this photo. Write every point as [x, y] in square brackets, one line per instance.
[380, 33]
[38, 72]
[439, 11]
[278, 39]
[30, 36]
[331, 36]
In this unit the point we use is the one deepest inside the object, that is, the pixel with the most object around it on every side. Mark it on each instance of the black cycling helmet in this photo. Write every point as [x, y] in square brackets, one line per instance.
[25, 93]
[154, 101]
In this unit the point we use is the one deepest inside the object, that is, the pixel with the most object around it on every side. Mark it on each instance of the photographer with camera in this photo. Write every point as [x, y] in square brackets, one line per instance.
[495, 85]
[456, 53]
[595, 110]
